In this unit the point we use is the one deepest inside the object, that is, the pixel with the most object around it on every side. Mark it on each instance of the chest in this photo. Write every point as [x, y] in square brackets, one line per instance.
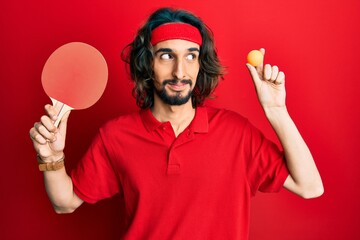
[190, 162]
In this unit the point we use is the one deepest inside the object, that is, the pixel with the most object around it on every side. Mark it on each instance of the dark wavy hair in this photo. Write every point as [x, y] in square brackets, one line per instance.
[139, 56]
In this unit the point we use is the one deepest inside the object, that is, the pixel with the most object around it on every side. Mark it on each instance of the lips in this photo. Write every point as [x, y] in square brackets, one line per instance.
[177, 85]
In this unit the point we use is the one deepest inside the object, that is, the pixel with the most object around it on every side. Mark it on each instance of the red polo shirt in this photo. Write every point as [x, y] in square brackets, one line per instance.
[195, 186]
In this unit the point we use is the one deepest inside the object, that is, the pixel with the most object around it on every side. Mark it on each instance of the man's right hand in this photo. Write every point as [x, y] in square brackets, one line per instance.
[49, 140]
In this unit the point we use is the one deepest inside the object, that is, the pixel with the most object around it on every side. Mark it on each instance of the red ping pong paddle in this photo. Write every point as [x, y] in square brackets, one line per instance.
[74, 77]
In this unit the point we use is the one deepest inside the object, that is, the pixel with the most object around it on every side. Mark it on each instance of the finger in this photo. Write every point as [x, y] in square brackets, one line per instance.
[51, 112]
[274, 73]
[36, 137]
[253, 72]
[280, 78]
[44, 132]
[267, 72]
[260, 67]
[48, 123]
[262, 50]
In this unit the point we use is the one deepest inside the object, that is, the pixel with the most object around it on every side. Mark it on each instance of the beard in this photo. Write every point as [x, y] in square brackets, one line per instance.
[177, 99]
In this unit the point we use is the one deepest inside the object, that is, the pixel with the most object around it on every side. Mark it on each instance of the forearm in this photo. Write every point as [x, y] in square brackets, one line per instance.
[59, 188]
[304, 177]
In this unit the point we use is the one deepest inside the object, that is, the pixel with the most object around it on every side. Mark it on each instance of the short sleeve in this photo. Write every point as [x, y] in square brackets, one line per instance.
[94, 177]
[265, 164]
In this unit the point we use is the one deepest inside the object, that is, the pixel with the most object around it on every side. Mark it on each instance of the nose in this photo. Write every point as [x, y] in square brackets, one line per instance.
[179, 69]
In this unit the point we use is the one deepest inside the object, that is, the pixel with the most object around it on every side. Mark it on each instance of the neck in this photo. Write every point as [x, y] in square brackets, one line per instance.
[179, 116]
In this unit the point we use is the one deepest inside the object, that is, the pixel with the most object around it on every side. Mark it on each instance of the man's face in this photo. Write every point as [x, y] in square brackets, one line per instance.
[176, 66]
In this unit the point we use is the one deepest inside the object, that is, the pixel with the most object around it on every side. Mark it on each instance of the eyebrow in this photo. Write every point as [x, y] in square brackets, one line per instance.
[169, 50]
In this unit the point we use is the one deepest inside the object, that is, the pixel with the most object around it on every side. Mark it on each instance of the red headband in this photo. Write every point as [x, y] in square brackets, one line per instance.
[176, 30]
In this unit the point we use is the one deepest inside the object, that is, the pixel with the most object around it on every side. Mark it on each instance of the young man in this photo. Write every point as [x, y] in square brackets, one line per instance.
[185, 171]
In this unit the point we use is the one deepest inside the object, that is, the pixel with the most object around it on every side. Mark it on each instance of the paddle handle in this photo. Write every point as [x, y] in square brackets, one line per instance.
[62, 108]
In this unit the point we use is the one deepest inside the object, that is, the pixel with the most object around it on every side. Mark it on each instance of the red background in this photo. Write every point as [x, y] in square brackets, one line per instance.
[316, 43]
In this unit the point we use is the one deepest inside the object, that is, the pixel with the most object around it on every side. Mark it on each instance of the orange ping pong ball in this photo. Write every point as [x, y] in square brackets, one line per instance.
[255, 58]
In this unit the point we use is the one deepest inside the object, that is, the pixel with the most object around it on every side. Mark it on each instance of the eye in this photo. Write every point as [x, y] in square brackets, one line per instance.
[166, 56]
[191, 56]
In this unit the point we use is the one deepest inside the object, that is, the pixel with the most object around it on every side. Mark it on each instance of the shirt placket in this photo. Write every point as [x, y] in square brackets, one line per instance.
[175, 153]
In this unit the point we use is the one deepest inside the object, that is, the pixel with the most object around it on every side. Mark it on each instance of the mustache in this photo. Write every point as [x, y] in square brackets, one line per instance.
[175, 81]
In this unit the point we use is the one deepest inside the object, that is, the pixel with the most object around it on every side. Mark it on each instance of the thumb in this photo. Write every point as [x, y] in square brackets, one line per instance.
[253, 73]
[63, 123]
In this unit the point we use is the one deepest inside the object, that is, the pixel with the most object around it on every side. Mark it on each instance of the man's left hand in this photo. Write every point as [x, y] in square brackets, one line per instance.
[269, 84]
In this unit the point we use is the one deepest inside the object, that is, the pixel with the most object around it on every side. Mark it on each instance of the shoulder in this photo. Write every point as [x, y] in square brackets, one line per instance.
[225, 116]
[122, 122]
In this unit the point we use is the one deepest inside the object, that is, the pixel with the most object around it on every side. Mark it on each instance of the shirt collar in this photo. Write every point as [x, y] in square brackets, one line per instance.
[199, 124]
